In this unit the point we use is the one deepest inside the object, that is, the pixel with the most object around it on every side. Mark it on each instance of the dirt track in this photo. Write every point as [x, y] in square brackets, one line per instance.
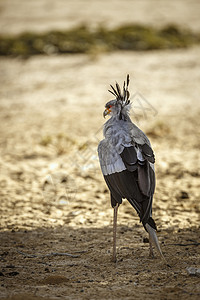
[54, 199]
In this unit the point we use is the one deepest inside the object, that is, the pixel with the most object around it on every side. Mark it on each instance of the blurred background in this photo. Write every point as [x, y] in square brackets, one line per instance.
[43, 15]
[57, 59]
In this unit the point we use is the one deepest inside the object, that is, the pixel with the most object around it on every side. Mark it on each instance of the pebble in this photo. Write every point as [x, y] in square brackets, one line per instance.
[193, 271]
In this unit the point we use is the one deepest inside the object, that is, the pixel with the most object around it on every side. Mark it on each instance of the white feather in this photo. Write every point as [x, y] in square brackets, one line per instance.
[116, 167]
[139, 155]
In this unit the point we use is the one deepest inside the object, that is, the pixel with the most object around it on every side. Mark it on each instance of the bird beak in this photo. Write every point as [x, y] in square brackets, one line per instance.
[106, 112]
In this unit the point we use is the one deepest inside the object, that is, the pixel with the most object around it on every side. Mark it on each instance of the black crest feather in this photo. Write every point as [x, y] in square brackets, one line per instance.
[123, 98]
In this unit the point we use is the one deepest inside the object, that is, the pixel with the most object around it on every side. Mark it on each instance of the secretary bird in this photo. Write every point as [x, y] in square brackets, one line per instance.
[127, 163]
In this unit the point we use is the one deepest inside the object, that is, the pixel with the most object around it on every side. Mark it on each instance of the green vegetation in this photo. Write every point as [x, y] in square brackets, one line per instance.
[84, 40]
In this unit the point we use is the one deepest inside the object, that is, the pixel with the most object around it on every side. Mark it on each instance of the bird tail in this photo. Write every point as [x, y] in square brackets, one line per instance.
[153, 237]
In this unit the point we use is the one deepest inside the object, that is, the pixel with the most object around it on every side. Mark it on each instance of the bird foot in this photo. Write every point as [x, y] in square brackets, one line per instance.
[114, 259]
[151, 254]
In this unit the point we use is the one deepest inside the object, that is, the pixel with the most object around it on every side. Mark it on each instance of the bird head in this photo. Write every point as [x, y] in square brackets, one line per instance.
[121, 104]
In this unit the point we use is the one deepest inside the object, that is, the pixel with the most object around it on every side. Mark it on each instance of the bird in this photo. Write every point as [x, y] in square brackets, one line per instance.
[127, 163]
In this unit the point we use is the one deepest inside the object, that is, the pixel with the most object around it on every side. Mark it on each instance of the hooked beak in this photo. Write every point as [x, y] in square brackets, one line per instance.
[106, 112]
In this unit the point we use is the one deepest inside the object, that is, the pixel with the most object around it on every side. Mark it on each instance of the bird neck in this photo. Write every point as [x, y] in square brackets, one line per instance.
[115, 124]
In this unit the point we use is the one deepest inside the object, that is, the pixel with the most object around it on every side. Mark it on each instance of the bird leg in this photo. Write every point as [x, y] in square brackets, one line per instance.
[114, 257]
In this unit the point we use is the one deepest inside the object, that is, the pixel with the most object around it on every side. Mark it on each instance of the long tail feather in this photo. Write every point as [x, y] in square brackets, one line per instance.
[154, 239]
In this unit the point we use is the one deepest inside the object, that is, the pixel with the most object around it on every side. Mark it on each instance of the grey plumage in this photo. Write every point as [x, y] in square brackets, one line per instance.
[127, 160]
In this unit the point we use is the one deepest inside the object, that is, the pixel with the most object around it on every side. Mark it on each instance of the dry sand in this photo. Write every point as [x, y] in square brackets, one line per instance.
[42, 15]
[53, 196]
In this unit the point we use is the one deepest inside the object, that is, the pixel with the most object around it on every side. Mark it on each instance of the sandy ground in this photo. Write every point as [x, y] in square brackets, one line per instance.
[53, 196]
[43, 15]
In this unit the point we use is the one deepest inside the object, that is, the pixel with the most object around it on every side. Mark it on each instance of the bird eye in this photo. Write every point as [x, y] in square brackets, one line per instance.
[109, 106]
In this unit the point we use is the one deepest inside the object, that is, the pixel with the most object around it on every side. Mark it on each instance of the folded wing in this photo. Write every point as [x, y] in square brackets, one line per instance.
[133, 180]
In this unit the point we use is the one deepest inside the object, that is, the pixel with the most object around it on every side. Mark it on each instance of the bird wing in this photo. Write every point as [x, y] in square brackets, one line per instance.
[109, 158]
[130, 173]
[141, 158]
[137, 135]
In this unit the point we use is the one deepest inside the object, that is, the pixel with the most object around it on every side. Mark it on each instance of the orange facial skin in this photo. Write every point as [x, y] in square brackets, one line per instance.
[107, 111]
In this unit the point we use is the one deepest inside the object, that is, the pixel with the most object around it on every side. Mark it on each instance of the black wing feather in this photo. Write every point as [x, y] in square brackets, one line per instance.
[148, 153]
[136, 183]
[129, 157]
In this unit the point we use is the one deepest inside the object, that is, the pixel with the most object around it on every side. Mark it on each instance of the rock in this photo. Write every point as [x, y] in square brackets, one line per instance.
[184, 195]
[13, 273]
[145, 240]
[193, 271]
[55, 279]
